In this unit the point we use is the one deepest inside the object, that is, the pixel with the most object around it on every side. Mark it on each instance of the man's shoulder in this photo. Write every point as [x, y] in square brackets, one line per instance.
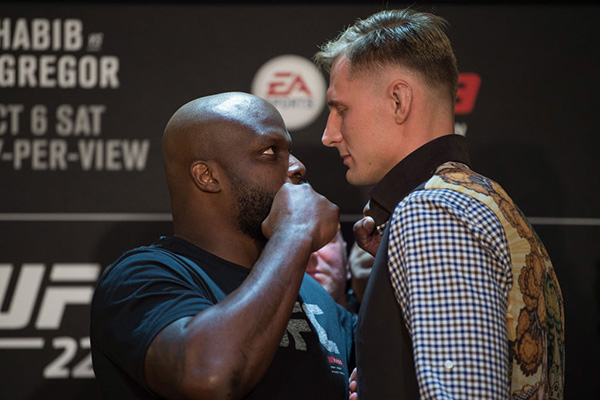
[152, 262]
[143, 255]
[136, 268]
[459, 177]
[455, 190]
[454, 183]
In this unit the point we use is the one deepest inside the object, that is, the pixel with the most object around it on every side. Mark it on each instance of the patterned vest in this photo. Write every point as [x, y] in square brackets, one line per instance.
[535, 315]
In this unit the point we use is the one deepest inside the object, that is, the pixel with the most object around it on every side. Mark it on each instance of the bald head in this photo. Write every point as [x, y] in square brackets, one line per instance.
[219, 148]
[203, 128]
[226, 156]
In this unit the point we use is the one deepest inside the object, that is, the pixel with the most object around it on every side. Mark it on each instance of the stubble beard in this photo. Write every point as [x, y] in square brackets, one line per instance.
[254, 205]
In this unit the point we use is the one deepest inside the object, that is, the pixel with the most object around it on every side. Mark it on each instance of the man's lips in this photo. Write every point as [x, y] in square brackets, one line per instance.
[345, 158]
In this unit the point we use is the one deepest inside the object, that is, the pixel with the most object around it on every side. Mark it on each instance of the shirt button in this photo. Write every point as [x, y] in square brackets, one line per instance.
[448, 365]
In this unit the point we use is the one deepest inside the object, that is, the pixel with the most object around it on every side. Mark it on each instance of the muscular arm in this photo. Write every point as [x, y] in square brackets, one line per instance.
[222, 352]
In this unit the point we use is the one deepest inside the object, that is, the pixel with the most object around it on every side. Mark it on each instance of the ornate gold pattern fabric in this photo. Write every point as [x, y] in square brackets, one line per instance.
[535, 315]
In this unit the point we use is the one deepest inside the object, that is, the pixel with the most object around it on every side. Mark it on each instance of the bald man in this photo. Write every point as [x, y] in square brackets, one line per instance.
[223, 309]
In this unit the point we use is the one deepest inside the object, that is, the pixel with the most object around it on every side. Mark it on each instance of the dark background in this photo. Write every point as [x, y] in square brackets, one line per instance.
[534, 129]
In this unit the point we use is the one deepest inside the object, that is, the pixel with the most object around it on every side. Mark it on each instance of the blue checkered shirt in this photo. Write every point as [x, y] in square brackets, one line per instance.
[450, 267]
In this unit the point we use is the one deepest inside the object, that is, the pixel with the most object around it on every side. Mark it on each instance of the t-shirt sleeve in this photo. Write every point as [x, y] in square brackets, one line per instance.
[136, 298]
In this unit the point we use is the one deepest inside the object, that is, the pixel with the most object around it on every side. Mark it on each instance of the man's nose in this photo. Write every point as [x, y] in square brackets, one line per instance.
[331, 134]
[296, 170]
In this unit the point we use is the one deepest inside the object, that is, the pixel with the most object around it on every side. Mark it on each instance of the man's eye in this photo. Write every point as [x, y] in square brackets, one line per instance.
[269, 151]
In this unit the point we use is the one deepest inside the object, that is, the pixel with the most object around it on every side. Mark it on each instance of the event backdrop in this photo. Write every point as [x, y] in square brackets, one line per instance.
[86, 90]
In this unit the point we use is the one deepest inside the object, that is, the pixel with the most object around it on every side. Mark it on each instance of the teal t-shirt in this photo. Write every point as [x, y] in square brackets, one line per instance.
[150, 287]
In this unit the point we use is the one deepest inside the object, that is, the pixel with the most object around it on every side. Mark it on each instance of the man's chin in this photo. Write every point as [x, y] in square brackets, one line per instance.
[354, 179]
[319, 277]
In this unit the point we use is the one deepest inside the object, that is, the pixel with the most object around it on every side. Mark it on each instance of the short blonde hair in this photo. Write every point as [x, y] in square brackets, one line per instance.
[403, 38]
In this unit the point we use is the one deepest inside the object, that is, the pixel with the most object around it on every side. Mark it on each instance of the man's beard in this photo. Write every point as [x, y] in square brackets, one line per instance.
[254, 205]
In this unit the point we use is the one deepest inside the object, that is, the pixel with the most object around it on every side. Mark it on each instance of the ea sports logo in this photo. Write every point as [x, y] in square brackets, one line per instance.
[294, 86]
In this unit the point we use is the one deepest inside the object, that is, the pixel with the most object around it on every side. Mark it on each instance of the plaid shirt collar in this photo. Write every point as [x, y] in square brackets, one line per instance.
[412, 171]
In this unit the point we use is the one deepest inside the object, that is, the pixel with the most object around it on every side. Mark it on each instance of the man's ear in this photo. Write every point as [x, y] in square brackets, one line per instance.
[204, 177]
[402, 95]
